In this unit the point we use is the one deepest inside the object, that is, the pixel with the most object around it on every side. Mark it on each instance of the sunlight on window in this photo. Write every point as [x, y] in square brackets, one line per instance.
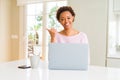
[114, 37]
[35, 22]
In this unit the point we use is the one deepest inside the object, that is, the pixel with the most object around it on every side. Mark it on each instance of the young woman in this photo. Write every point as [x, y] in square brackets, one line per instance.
[66, 16]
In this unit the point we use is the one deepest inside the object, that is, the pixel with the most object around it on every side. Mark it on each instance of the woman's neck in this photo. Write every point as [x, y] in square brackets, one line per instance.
[69, 32]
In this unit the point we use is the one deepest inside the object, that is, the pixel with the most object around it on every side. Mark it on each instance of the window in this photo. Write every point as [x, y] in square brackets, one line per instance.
[34, 25]
[40, 16]
[113, 31]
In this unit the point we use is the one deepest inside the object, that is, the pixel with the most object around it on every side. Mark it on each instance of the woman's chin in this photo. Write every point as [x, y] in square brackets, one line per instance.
[67, 27]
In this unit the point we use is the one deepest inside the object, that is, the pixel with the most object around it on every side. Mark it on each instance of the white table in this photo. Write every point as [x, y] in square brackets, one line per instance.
[9, 71]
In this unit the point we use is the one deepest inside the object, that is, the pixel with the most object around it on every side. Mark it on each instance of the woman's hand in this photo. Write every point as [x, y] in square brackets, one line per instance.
[52, 33]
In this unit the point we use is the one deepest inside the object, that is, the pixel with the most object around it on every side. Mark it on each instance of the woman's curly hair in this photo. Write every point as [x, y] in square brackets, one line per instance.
[63, 9]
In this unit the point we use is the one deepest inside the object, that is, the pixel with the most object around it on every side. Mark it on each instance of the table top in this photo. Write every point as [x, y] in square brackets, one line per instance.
[10, 71]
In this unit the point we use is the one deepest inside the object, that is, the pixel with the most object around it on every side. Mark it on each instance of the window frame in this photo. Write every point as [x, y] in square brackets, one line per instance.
[22, 30]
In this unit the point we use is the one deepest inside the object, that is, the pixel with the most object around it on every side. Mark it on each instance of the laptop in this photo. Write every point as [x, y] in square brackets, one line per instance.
[67, 56]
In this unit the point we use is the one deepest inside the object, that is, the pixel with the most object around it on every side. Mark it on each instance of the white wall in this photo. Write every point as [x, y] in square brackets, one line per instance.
[5, 47]
[91, 18]
[9, 47]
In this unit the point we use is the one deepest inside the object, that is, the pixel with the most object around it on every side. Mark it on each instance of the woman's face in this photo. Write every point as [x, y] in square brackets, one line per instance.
[66, 19]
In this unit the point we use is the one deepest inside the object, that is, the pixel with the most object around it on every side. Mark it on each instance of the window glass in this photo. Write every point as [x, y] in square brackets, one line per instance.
[35, 14]
[113, 31]
[114, 36]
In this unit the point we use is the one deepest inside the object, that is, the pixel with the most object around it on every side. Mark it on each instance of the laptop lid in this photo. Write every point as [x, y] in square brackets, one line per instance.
[68, 56]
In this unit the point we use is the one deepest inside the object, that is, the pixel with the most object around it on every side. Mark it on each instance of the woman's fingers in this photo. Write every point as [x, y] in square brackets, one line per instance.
[52, 30]
[52, 33]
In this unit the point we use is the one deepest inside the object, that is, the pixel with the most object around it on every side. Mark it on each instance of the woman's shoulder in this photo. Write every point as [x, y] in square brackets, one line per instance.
[82, 33]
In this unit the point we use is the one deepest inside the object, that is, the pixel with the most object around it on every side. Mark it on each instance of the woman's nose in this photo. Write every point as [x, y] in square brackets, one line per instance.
[66, 20]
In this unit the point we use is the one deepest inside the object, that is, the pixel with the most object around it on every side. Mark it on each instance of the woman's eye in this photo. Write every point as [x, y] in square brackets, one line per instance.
[68, 18]
[62, 19]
